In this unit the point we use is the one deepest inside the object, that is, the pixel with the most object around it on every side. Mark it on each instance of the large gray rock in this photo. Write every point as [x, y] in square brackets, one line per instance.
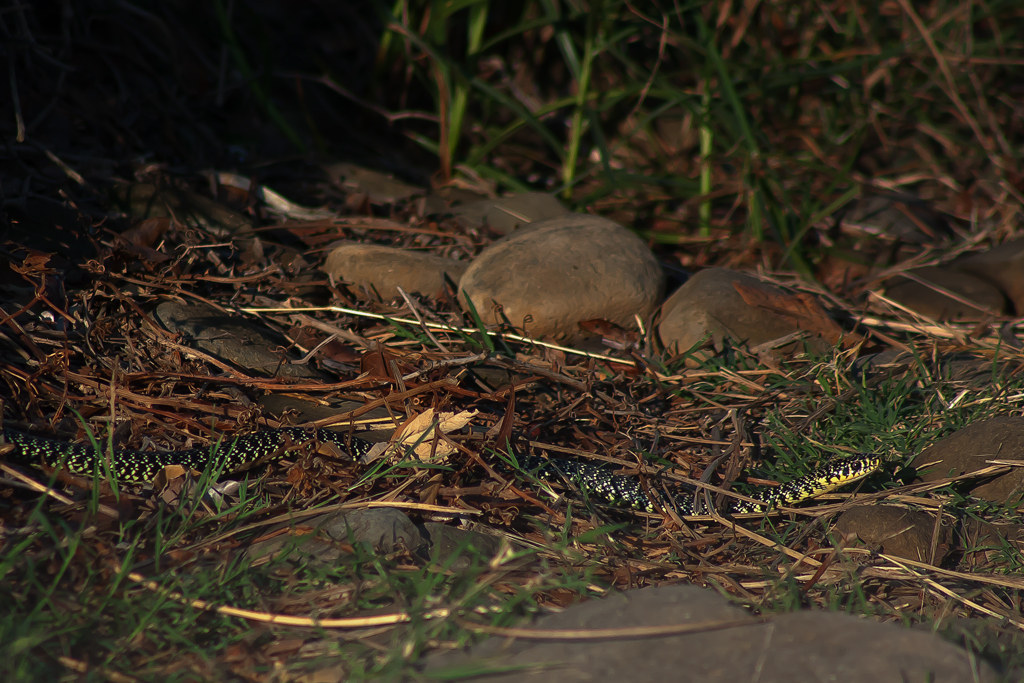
[563, 271]
[808, 645]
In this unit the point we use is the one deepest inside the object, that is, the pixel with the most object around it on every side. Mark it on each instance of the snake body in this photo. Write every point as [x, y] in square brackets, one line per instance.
[140, 467]
[596, 482]
[627, 491]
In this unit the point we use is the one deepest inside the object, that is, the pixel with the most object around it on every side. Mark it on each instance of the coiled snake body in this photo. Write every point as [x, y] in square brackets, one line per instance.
[595, 481]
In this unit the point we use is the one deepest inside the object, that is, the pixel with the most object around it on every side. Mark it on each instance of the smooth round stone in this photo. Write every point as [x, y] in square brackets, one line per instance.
[562, 271]
[709, 307]
[969, 449]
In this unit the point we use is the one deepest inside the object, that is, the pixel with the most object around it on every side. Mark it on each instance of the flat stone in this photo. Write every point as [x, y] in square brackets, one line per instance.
[238, 340]
[921, 290]
[378, 188]
[443, 200]
[895, 217]
[897, 531]
[563, 271]
[1003, 266]
[143, 200]
[386, 530]
[808, 645]
[459, 549]
[506, 214]
[303, 410]
[967, 450]
[377, 271]
[325, 539]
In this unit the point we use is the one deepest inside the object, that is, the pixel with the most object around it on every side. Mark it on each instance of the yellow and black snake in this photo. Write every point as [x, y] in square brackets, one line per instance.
[141, 467]
[595, 481]
[627, 491]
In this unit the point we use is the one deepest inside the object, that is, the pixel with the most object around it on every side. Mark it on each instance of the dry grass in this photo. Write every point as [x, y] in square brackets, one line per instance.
[728, 135]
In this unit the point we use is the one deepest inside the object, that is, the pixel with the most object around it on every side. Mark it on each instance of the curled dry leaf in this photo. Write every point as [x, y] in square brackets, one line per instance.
[420, 431]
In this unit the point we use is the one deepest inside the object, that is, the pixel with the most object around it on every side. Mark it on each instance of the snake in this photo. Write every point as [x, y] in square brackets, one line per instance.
[595, 482]
[141, 467]
[621, 490]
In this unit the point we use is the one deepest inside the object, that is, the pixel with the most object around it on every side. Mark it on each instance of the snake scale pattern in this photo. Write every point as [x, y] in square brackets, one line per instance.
[140, 467]
[596, 482]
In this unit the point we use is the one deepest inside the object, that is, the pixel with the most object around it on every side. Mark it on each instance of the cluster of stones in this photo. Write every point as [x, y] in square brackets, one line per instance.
[548, 275]
[554, 269]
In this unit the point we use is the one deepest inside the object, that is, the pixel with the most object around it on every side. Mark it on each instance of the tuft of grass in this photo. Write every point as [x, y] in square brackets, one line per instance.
[77, 602]
[782, 104]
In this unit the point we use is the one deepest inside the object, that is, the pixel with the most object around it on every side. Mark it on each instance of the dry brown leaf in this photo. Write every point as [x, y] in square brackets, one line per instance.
[800, 309]
[376, 363]
[421, 429]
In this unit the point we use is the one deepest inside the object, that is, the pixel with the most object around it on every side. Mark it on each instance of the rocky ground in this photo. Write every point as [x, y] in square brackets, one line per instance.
[174, 273]
[586, 283]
